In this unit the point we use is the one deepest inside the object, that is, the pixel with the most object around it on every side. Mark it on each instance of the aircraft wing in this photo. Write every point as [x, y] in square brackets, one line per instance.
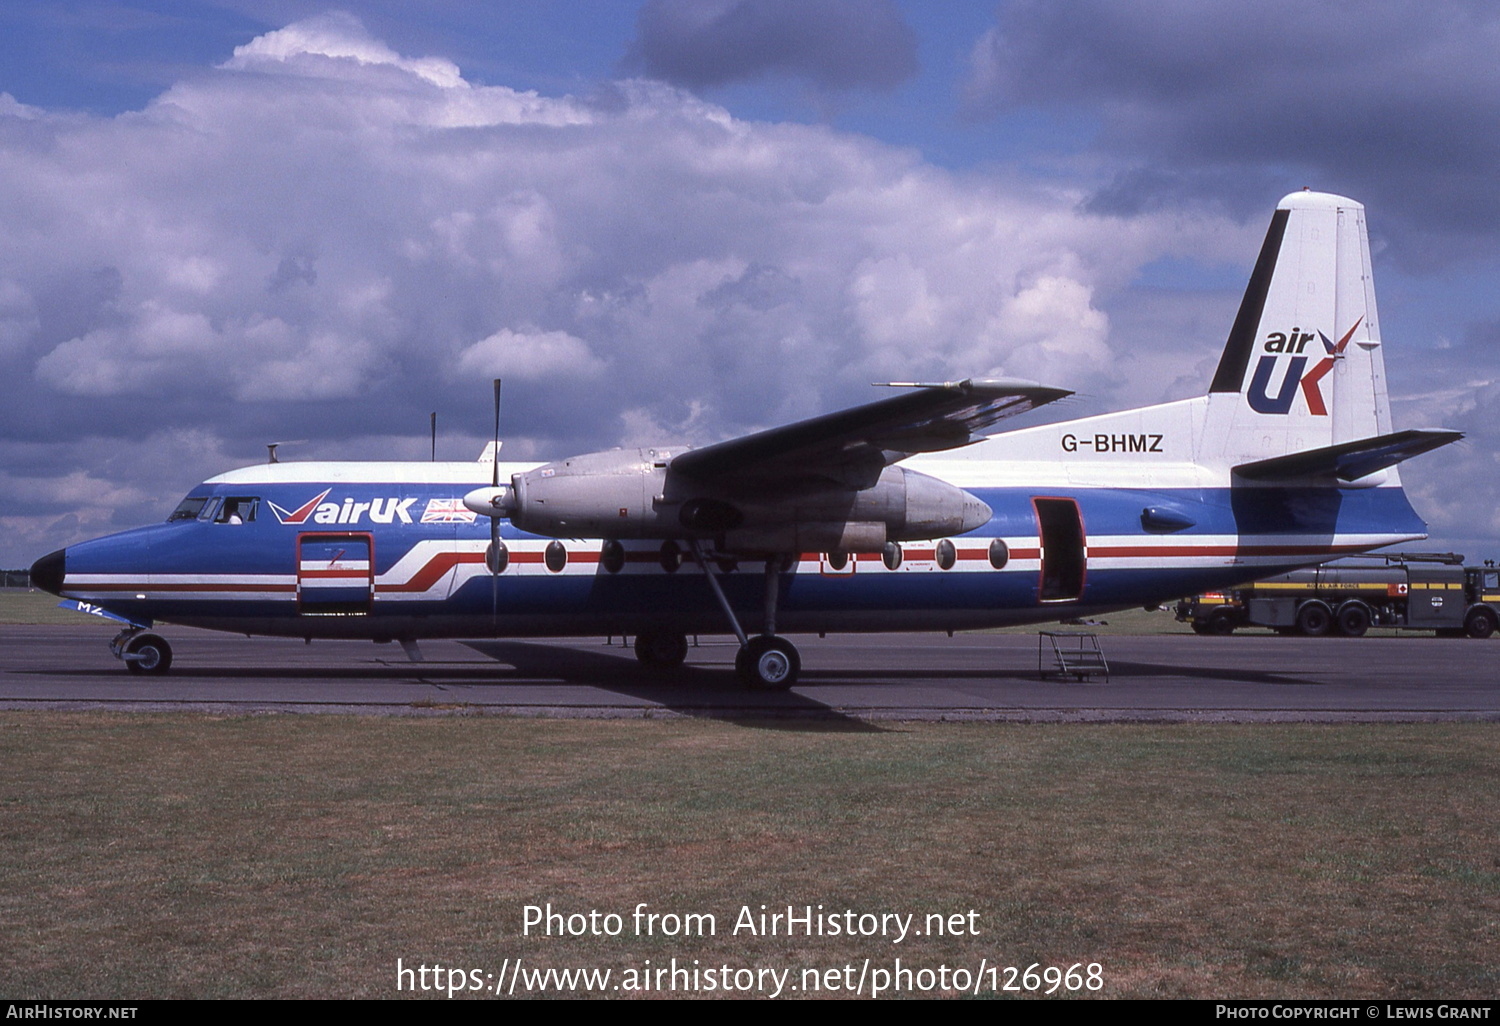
[852, 446]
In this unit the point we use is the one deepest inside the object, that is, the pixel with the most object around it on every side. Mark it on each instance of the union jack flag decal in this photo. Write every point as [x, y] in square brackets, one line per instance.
[447, 511]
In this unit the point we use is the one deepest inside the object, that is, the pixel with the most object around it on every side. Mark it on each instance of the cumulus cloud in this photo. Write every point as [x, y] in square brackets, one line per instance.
[529, 356]
[1458, 387]
[835, 44]
[338, 35]
[325, 239]
[53, 493]
[18, 320]
[1396, 102]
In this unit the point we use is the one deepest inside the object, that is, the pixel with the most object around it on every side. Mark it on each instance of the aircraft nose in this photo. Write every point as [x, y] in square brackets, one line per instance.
[47, 572]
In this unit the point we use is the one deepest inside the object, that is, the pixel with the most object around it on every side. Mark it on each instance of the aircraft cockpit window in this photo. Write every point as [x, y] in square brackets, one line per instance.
[210, 507]
[189, 508]
[237, 510]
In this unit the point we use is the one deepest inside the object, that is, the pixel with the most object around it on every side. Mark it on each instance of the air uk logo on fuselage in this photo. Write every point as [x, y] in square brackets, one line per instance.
[385, 510]
[1292, 343]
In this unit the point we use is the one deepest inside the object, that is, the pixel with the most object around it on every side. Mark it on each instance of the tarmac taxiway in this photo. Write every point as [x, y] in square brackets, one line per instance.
[882, 676]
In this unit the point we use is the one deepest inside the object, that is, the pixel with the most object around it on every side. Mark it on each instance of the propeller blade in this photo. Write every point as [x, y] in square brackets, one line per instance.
[493, 559]
[494, 517]
[495, 455]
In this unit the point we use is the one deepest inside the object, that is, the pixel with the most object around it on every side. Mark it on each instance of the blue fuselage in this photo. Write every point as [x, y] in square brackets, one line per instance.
[407, 561]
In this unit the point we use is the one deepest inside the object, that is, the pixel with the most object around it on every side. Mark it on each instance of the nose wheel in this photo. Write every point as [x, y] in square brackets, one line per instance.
[143, 653]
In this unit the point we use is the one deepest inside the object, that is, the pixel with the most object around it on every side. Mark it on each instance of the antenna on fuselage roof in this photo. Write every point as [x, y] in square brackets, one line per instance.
[271, 448]
[434, 436]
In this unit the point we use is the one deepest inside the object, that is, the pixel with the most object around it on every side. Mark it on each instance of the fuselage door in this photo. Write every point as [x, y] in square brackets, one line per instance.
[1064, 554]
[335, 574]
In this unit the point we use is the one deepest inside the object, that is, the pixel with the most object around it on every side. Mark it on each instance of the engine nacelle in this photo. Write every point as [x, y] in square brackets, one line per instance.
[633, 493]
[597, 495]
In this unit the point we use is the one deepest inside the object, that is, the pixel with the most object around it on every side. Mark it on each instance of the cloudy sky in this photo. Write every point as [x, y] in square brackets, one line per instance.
[229, 223]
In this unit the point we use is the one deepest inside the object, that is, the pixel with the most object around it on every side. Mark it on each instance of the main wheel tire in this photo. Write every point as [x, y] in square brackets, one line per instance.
[664, 649]
[1314, 619]
[1221, 622]
[148, 654]
[1353, 619]
[768, 663]
[1480, 624]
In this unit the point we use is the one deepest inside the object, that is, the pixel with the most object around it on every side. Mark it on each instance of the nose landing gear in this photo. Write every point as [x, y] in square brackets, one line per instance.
[142, 652]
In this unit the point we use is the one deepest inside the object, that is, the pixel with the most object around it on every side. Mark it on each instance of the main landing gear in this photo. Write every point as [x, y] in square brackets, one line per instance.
[765, 661]
[661, 649]
[768, 662]
[142, 652]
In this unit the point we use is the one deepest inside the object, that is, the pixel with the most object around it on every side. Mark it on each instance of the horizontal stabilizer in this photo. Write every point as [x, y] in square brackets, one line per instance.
[1349, 461]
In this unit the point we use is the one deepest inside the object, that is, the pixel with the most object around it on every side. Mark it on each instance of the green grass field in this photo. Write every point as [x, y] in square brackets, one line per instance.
[18, 605]
[189, 855]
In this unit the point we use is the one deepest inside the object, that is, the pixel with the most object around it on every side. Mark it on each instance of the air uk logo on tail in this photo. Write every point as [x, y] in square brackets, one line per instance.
[1279, 344]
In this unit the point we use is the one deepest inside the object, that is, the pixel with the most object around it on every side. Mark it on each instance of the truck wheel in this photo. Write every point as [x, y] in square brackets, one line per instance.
[1353, 619]
[1221, 622]
[1480, 623]
[1314, 619]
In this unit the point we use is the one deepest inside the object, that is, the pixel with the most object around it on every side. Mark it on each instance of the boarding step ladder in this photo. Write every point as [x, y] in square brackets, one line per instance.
[1074, 654]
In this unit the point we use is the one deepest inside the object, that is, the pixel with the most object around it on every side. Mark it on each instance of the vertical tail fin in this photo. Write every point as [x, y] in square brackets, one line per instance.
[1299, 395]
[1302, 368]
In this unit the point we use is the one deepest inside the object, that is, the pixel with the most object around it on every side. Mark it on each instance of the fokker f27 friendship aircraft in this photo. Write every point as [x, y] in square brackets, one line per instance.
[869, 519]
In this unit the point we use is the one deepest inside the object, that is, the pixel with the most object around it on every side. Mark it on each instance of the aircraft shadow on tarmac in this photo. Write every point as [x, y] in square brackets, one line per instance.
[703, 691]
[544, 663]
[1231, 675]
[687, 690]
[1029, 675]
[710, 692]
